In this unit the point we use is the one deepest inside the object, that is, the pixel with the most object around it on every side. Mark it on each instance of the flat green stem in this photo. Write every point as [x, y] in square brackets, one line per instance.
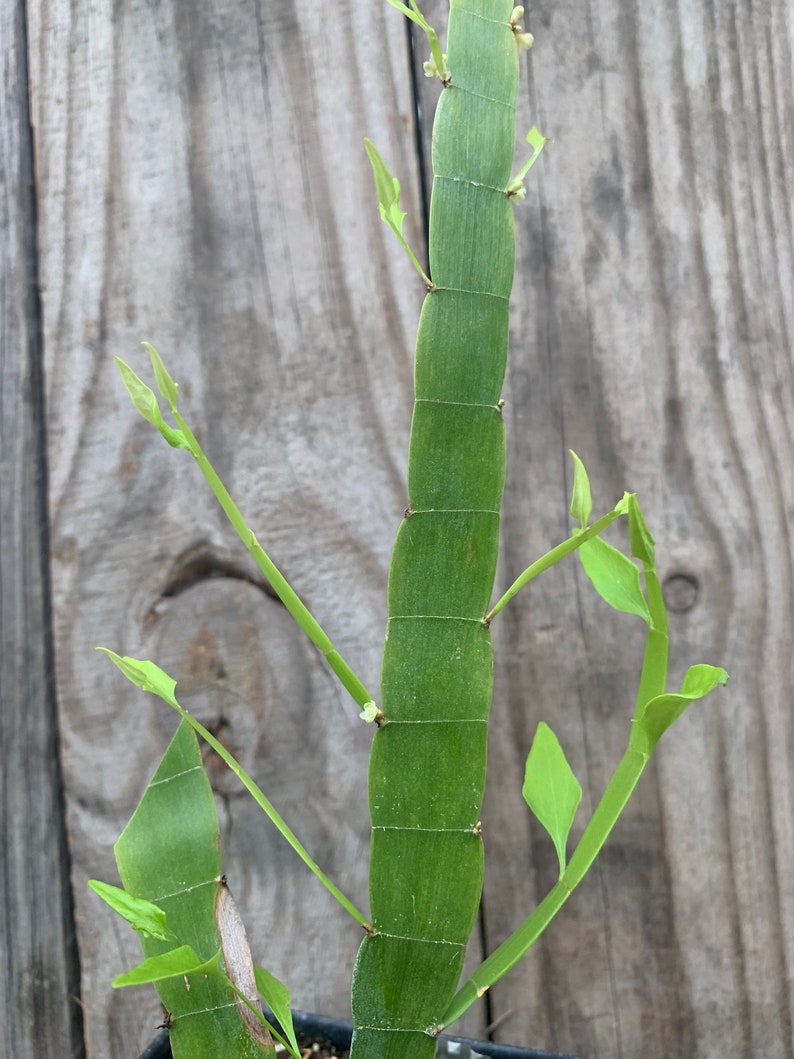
[285, 592]
[554, 556]
[653, 678]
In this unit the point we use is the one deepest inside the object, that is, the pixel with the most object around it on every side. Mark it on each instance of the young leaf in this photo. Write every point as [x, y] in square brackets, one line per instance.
[145, 675]
[145, 402]
[141, 395]
[642, 543]
[581, 500]
[661, 711]
[388, 189]
[172, 964]
[615, 577]
[550, 788]
[144, 916]
[165, 384]
[438, 64]
[537, 141]
[277, 998]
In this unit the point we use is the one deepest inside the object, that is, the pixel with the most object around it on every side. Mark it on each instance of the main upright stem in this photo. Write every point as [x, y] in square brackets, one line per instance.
[427, 770]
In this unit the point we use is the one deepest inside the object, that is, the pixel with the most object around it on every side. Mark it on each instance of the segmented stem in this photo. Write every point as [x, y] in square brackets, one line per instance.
[427, 771]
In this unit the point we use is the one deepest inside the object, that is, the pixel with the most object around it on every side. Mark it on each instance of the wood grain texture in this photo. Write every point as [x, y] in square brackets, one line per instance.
[201, 183]
[39, 974]
[201, 187]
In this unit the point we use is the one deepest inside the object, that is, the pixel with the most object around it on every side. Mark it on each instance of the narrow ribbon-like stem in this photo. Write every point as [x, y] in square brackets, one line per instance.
[555, 555]
[285, 592]
[271, 812]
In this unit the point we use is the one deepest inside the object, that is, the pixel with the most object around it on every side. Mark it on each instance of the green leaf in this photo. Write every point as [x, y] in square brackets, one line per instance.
[165, 384]
[388, 189]
[142, 397]
[277, 998]
[537, 141]
[642, 543]
[581, 500]
[145, 675]
[144, 916]
[550, 788]
[172, 964]
[615, 577]
[661, 711]
[145, 402]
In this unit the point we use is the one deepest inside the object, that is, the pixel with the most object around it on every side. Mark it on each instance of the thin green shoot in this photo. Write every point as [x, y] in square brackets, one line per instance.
[184, 438]
[576, 540]
[654, 712]
[437, 67]
[388, 189]
[653, 678]
[535, 139]
[604, 818]
[148, 676]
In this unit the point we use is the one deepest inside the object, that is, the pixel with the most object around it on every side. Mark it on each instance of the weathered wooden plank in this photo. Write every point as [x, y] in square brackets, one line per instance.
[653, 334]
[39, 975]
[218, 201]
[192, 191]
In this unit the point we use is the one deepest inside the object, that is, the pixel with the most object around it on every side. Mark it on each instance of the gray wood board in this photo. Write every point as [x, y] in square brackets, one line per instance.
[39, 977]
[201, 183]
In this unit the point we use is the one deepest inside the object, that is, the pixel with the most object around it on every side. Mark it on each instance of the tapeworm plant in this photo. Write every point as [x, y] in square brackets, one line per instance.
[427, 768]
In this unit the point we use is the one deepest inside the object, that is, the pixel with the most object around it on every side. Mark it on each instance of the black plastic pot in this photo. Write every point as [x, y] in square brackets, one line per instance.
[339, 1032]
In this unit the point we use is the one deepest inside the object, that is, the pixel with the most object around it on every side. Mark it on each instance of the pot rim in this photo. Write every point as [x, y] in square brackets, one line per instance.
[340, 1031]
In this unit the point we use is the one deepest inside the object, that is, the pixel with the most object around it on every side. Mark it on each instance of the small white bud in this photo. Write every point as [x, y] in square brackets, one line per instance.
[370, 712]
[523, 40]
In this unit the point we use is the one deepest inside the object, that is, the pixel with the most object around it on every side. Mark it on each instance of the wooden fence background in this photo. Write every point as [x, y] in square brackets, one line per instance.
[192, 172]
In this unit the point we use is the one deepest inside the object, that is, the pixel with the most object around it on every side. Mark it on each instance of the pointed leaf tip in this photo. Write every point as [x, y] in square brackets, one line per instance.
[550, 788]
[141, 395]
[277, 998]
[145, 675]
[581, 498]
[642, 543]
[142, 915]
[165, 384]
[172, 964]
[388, 189]
[146, 404]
